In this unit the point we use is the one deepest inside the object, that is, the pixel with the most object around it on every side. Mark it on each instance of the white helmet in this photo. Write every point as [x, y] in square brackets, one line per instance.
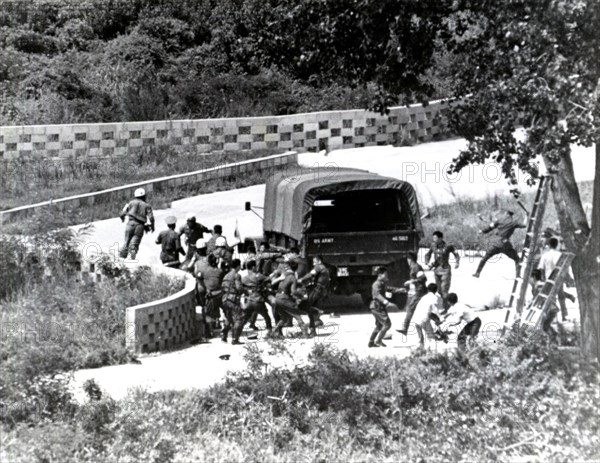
[220, 241]
[200, 243]
[139, 193]
[190, 216]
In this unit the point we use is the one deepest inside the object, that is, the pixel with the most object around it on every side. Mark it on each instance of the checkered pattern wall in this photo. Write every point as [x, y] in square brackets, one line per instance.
[165, 323]
[300, 132]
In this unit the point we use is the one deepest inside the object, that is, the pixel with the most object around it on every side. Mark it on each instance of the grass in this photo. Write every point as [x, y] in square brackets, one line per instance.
[52, 323]
[460, 224]
[52, 218]
[24, 182]
[490, 404]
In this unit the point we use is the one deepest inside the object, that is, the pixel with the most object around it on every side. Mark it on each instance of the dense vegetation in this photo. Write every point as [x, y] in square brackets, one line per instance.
[497, 403]
[52, 322]
[127, 60]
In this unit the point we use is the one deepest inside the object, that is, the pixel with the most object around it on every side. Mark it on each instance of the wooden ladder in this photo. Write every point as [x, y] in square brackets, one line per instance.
[525, 265]
[534, 314]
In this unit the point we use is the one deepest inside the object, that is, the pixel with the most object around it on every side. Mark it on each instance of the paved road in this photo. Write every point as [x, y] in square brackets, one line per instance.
[200, 366]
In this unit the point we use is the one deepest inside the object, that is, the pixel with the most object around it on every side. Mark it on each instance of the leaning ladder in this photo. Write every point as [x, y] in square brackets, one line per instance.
[524, 267]
[534, 314]
[534, 227]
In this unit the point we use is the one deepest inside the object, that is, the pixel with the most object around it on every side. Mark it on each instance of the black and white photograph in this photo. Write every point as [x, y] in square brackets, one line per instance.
[299, 231]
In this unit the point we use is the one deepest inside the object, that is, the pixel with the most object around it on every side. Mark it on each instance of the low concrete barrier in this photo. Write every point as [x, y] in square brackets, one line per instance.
[165, 323]
[301, 132]
[125, 193]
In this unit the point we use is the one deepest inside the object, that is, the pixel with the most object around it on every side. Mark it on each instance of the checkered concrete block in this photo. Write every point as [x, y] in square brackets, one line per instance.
[303, 131]
[164, 323]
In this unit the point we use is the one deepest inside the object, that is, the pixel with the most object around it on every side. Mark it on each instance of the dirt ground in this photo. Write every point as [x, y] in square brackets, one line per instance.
[423, 165]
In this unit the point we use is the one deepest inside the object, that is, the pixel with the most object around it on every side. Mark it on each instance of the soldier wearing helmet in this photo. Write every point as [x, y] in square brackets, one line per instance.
[139, 213]
[211, 243]
[193, 231]
[171, 244]
[222, 252]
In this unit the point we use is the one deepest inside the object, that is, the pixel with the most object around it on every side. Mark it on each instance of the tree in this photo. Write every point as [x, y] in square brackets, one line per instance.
[527, 63]
[357, 42]
[534, 63]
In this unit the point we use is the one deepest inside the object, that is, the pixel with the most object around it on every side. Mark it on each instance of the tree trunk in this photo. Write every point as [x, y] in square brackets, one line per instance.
[577, 238]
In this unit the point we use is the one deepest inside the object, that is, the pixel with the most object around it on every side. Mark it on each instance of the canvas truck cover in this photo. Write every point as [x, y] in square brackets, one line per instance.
[289, 199]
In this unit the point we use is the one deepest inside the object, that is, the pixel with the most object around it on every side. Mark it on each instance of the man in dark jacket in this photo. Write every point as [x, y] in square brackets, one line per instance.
[193, 231]
[503, 227]
[234, 316]
[255, 285]
[170, 244]
[286, 303]
[317, 291]
[379, 308]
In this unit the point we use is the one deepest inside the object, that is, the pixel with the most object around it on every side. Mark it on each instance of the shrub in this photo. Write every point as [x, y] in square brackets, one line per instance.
[488, 404]
[53, 323]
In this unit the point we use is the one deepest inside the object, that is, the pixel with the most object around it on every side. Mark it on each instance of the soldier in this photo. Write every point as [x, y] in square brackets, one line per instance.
[138, 212]
[222, 252]
[193, 231]
[318, 291]
[198, 257]
[211, 279]
[171, 244]
[199, 266]
[442, 271]
[418, 289]
[254, 287]
[234, 316]
[217, 233]
[379, 308]
[286, 305]
[500, 243]
[265, 258]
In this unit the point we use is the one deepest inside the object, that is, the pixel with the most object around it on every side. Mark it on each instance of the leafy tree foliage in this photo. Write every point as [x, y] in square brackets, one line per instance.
[112, 60]
[534, 64]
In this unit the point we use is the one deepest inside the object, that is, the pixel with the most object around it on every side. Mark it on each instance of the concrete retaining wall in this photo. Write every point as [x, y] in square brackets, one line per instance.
[165, 323]
[124, 193]
[300, 132]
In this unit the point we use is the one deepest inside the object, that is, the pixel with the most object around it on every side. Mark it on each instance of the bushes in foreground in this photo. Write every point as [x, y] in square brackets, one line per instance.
[520, 399]
[52, 323]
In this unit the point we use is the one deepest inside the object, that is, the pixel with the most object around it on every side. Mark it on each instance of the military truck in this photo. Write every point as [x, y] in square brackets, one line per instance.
[356, 220]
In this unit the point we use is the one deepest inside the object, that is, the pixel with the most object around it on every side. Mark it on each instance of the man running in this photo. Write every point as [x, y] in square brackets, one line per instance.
[138, 212]
[503, 227]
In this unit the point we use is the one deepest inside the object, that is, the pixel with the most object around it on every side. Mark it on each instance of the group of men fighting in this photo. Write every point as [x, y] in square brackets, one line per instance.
[431, 306]
[279, 278]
